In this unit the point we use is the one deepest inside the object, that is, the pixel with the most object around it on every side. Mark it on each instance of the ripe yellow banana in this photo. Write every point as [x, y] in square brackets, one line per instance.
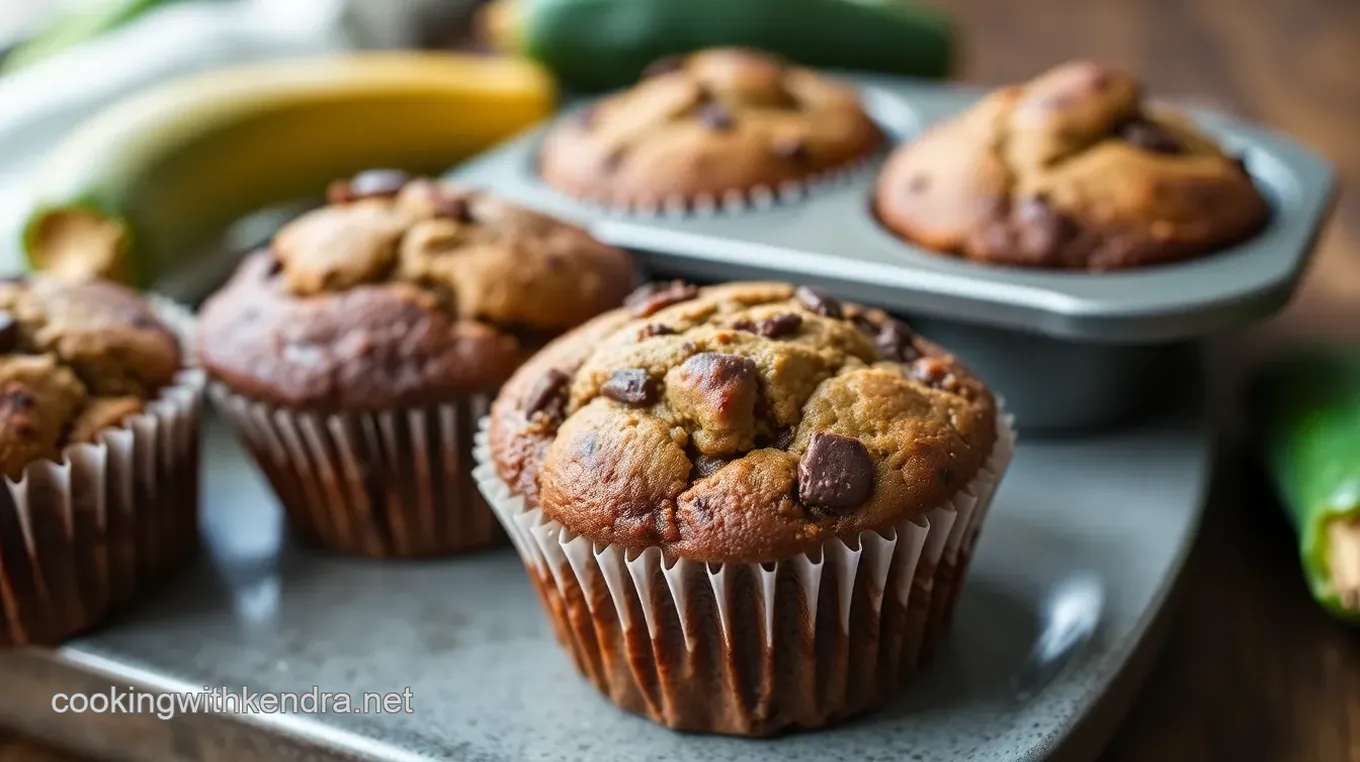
[149, 182]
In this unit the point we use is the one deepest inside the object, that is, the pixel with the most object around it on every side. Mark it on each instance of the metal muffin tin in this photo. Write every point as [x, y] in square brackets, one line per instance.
[1066, 349]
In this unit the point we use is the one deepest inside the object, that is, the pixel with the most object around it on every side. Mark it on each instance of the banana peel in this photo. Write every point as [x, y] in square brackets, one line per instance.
[146, 184]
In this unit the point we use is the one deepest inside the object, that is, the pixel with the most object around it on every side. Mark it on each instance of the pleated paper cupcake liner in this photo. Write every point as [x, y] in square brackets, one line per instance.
[85, 537]
[749, 648]
[388, 484]
[734, 201]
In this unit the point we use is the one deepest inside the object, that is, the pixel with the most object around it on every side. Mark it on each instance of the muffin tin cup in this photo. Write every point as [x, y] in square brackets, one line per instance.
[386, 484]
[83, 538]
[750, 648]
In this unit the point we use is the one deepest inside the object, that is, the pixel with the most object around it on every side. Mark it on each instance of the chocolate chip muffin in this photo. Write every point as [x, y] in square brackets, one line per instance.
[357, 352]
[719, 126]
[98, 445]
[1072, 170]
[727, 496]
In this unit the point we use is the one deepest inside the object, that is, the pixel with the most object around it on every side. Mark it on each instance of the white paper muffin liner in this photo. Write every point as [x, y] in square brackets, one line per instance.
[749, 648]
[84, 537]
[386, 484]
[734, 201]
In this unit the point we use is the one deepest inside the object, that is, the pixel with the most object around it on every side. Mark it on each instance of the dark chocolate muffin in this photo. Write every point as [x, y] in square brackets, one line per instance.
[766, 482]
[1072, 170]
[712, 126]
[357, 352]
[98, 450]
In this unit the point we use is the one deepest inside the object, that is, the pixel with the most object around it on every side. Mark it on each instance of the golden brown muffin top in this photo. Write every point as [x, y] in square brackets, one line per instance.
[1072, 169]
[400, 292]
[744, 422]
[713, 121]
[75, 359]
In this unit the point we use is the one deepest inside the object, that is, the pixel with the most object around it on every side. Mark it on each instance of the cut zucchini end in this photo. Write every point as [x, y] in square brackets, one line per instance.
[79, 242]
[1343, 560]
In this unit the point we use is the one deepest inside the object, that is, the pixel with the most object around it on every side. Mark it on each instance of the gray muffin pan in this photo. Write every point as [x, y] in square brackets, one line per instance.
[1067, 349]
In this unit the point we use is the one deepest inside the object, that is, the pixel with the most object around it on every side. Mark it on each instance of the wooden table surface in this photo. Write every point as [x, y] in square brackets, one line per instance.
[1252, 670]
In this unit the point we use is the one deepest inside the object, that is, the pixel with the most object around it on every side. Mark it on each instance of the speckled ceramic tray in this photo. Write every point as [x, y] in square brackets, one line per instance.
[1061, 614]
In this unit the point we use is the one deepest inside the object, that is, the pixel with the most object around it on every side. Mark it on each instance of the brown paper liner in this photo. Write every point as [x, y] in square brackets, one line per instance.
[752, 649]
[83, 538]
[389, 484]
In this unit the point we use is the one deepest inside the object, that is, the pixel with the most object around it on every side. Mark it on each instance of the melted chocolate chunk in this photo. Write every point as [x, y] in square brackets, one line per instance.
[793, 151]
[654, 297]
[1150, 136]
[548, 395]
[836, 474]
[373, 183]
[716, 117]
[9, 332]
[706, 466]
[897, 342]
[779, 326]
[631, 387]
[656, 329]
[664, 65]
[455, 208]
[1041, 228]
[819, 301]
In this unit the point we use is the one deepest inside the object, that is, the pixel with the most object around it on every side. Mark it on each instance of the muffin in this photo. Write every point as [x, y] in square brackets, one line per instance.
[746, 508]
[356, 353]
[718, 126]
[99, 449]
[1072, 170]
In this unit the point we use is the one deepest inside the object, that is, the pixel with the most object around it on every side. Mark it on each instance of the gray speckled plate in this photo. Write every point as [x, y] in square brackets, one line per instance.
[1073, 572]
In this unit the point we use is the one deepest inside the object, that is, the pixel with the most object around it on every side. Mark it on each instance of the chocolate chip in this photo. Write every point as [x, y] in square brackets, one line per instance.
[836, 474]
[9, 332]
[818, 301]
[706, 466]
[1042, 228]
[897, 342]
[795, 151]
[935, 373]
[654, 297]
[455, 208]
[372, 183]
[273, 267]
[547, 395]
[664, 65]
[719, 372]
[716, 117]
[631, 387]
[1149, 136]
[784, 437]
[779, 326]
[656, 329]
[775, 327]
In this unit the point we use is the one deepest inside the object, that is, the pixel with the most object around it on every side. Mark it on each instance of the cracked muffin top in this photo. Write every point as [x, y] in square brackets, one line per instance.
[717, 120]
[743, 422]
[1072, 170]
[400, 292]
[75, 359]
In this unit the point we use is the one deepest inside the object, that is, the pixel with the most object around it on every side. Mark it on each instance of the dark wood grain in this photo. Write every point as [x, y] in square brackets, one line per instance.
[1253, 671]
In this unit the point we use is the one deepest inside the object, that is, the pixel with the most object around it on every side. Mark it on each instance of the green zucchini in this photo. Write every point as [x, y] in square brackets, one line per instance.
[1305, 408]
[595, 45]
